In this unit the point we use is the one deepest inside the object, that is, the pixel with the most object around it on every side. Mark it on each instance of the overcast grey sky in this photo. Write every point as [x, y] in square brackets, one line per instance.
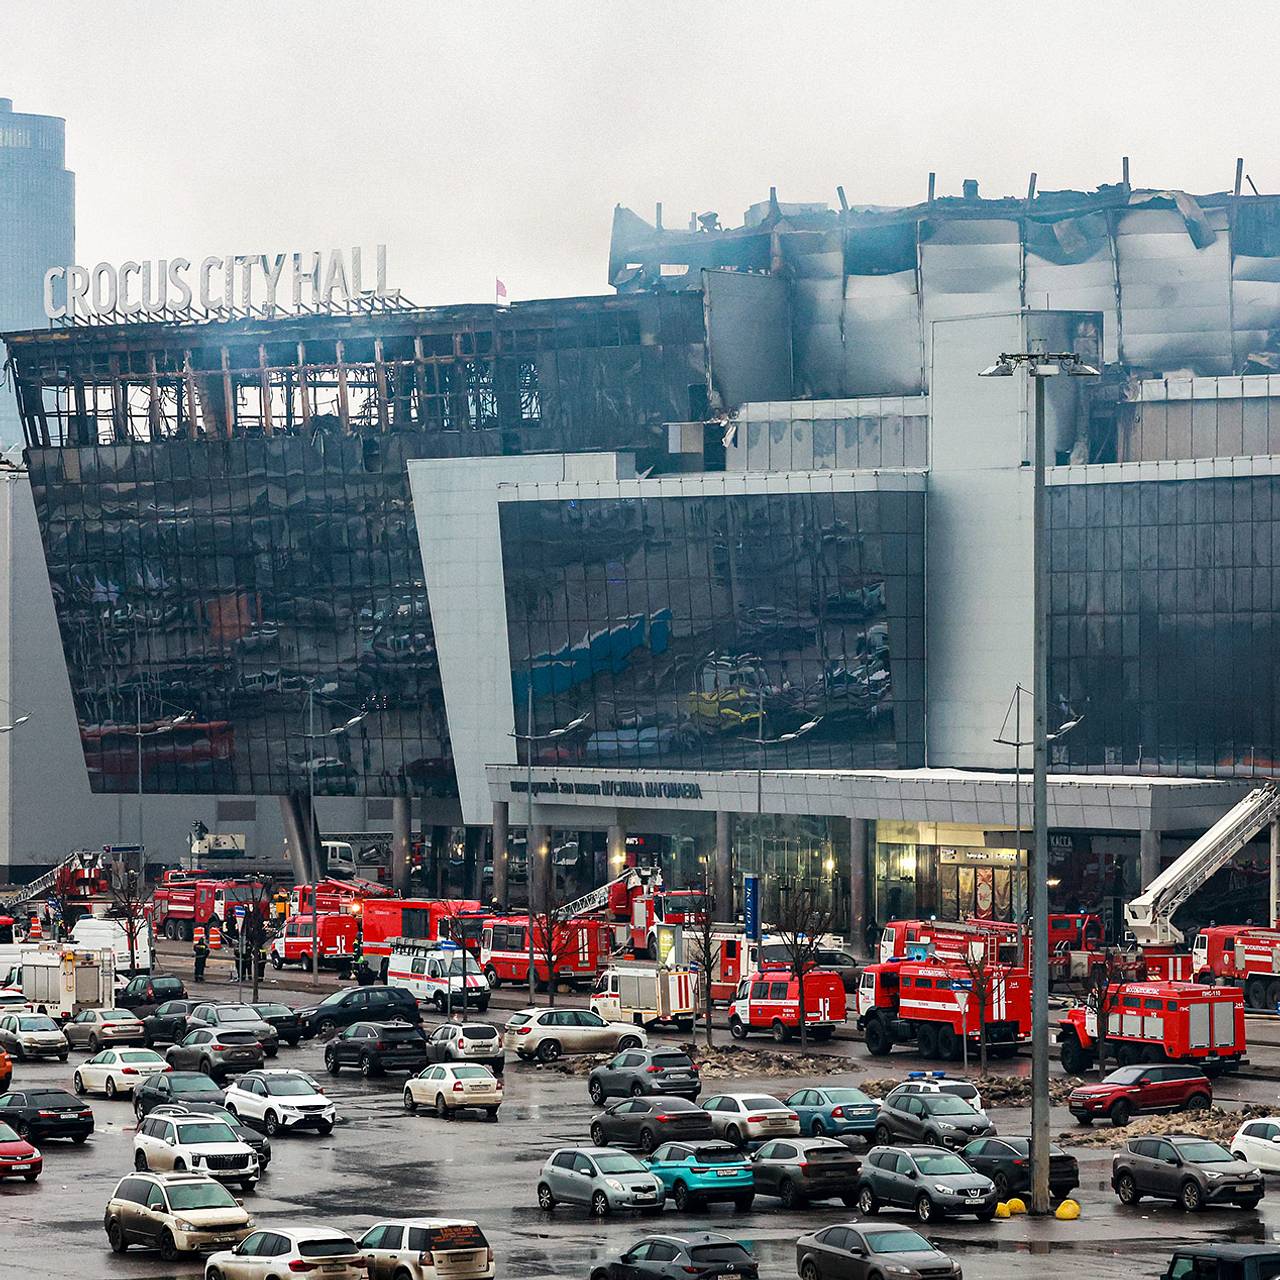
[481, 139]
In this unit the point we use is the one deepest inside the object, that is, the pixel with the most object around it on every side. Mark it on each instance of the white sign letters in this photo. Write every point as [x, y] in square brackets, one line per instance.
[237, 280]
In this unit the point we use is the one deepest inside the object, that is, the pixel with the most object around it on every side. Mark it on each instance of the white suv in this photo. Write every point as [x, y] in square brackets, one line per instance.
[424, 1248]
[201, 1144]
[940, 1082]
[547, 1033]
[280, 1099]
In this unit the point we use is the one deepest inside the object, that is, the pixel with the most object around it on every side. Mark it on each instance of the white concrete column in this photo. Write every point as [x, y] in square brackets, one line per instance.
[1149, 856]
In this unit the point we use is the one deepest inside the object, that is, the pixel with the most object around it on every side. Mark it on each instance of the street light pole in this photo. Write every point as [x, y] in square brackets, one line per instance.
[1040, 365]
[313, 853]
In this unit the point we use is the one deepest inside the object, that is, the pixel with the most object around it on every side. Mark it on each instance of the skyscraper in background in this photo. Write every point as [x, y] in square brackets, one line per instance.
[37, 226]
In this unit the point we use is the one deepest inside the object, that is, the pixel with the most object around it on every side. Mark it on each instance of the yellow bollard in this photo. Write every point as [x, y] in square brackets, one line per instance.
[1002, 1210]
[1016, 1205]
[1067, 1211]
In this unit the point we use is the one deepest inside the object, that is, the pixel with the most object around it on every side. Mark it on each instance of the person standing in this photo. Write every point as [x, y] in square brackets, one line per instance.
[200, 950]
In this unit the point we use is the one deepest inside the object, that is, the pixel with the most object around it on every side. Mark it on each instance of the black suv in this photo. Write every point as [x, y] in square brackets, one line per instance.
[280, 1016]
[358, 1004]
[144, 994]
[376, 1047]
[170, 1022]
[1007, 1162]
[1192, 1171]
[1223, 1262]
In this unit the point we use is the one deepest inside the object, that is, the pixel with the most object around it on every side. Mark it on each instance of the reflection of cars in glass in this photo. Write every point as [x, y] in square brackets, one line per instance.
[726, 694]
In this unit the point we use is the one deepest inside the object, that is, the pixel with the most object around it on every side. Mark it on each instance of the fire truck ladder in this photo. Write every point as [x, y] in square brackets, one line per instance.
[597, 898]
[1150, 915]
[80, 859]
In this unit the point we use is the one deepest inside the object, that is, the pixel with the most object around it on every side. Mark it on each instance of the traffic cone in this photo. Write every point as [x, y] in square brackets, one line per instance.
[215, 937]
[36, 932]
[197, 934]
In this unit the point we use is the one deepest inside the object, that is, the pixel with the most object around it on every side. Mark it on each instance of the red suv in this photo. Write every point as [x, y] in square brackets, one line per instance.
[1129, 1090]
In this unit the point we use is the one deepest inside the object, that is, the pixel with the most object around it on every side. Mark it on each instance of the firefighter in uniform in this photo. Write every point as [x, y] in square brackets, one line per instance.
[200, 950]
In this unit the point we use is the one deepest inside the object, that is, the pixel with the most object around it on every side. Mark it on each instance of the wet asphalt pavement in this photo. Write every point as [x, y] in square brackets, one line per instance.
[379, 1162]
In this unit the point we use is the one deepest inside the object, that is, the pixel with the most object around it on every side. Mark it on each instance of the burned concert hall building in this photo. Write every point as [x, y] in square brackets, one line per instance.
[752, 523]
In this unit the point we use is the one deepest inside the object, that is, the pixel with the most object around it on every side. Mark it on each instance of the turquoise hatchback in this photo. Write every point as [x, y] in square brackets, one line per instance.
[698, 1173]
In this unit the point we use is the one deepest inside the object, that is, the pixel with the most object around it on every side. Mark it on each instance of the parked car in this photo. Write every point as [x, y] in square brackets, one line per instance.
[32, 1035]
[705, 1254]
[287, 1250]
[454, 1086]
[377, 1047]
[38, 1114]
[841, 1111]
[798, 1170]
[467, 1042]
[1007, 1162]
[358, 1004]
[174, 1086]
[144, 994]
[644, 1122]
[700, 1173]
[237, 1017]
[216, 1051]
[93, 1028]
[6, 1069]
[1258, 1142]
[750, 1117]
[940, 1082]
[547, 1033]
[260, 1143]
[288, 1026]
[935, 1119]
[281, 1100]
[860, 1250]
[114, 1071]
[1223, 1262]
[169, 1023]
[1194, 1172]
[176, 1213]
[427, 1248]
[1135, 1090]
[931, 1181]
[18, 1158]
[602, 1179]
[177, 1144]
[641, 1071]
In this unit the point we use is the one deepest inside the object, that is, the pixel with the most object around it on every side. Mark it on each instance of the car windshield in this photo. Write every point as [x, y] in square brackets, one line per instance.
[479, 1033]
[618, 1162]
[334, 1248]
[273, 1010]
[896, 1240]
[847, 1096]
[472, 1073]
[190, 1081]
[213, 1131]
[463, 964]
[37, 1024]
[940, 1165]
[727, 1252]
[288, 1086]
[943, 1104]
[237, 1013]
[673, 1061]
[200, 1195]
[7, 1134]
[1125, 1075]
[762, 1104]
[1204, 1152]
[329, 1001]
[140, 1055]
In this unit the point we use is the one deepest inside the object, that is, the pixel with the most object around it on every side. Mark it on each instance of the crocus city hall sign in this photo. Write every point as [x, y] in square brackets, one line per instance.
[236, 281]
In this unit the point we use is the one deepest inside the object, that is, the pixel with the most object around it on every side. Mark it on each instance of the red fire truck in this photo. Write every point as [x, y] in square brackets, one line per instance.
[1158, 1022]
[1244, 956]
[336, 895]
[338, 933]
[934, 1004]
[769, 1000]
[418, 918]
[184, 899]
[580, 949]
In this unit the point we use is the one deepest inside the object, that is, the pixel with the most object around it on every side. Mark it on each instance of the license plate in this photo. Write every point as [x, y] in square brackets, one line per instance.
[1244, 1186]
[18, 1168]
[725, 1173]
[645, 1195]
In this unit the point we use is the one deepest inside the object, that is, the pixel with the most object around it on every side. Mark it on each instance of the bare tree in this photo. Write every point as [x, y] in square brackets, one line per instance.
[701, 945]
[254, 929]
[553, 941]
[128, 905]
[977, 963]
[805, 916]
[1101, 994]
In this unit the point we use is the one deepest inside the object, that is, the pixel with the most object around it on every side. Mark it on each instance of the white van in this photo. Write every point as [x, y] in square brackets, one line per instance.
[645, 994]
[446, 977]
[97, 933]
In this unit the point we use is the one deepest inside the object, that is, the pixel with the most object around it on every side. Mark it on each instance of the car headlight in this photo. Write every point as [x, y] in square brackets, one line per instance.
[1215, 1177]
[938, 1186]
[895, 1270]
[613, 1183]
[183, 1225]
